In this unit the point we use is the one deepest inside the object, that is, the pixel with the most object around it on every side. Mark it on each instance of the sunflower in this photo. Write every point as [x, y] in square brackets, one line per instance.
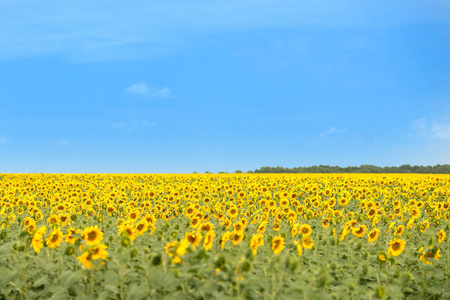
[85, 259]
[64, 219]
[307, 242]
[391, 226]
[133, 215]
[36, 241]
[225, 237]
[359, 231]
[70, 235]
[396, 247]
[53, 220]
[399, 230]
[99, 252]
[343, 202]
[127, 230]
[441, 236]
[277, 244]
[294, 230]
[255, 242]
[238, 226]
[55, 238]
[237, 237]
[31, 228]
[305, 230]
[299, 248]
[208, 241]
[344, 232]
[326, 223]
[207, 227]
[433, 253]
[262, 227]
[169, 246]
[382, 256]
[141, 227]
[276, 226]
[194, 238]
[195, 222]
[371, 213]
[92, 235]
[373, 235]
[28, 222]
[233, 212]
[182, 247]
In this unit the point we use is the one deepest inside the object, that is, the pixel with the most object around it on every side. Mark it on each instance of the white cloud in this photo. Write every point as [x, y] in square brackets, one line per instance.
[3, 140]
[62, 143]
[143, 89]
[133, 125]
[332, 131]
[441, 132]
[435, 130]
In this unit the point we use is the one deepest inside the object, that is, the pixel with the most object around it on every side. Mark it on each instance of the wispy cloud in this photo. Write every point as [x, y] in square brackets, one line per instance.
[431, 129]
[143, 89]
[85, 30]
[133, 125]
[331, 132]
[3, 140]
[62, 142]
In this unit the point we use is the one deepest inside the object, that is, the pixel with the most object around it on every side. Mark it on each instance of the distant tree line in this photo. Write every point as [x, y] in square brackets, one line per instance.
[437, 169]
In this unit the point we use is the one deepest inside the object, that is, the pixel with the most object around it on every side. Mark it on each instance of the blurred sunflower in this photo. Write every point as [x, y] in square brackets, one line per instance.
[305, 230]
[55, 238]
[307, 242]
[277, 244]
[208, 241]
[92, 235]
[396, 247]
[441, 236]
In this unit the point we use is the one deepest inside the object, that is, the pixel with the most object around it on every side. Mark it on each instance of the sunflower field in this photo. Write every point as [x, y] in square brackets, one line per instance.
[237, 236]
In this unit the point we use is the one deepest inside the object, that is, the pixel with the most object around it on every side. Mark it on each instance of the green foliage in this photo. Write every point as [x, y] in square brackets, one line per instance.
[437, 169]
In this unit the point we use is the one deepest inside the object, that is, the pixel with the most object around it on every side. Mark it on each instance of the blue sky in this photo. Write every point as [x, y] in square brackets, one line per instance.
[184, 86]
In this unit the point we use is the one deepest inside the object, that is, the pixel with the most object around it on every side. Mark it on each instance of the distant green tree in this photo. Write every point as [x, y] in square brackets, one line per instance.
[437, 169]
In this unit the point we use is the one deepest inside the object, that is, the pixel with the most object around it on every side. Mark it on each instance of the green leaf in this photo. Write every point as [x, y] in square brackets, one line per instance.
[136, 292]
[59, 295]
[69, 278]
[43, 281]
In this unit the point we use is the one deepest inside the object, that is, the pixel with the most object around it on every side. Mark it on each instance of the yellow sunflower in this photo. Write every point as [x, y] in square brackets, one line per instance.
[277, 244]
[182, 247]
[141, 227]
[127, 230]
[373, 235]
[55, 238]
[194, 239]
[396, 247]
[382, 256]
[305, 230]
[441, 236]
[92, 235]
[208, 241]
[99, 252]
[307, 242]
[85, 259]
[225, 237]
[432, 253]
[255, 242]
[36, 241]
[299, 248]
[237, 237]
[399, 230]
[359, 231]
